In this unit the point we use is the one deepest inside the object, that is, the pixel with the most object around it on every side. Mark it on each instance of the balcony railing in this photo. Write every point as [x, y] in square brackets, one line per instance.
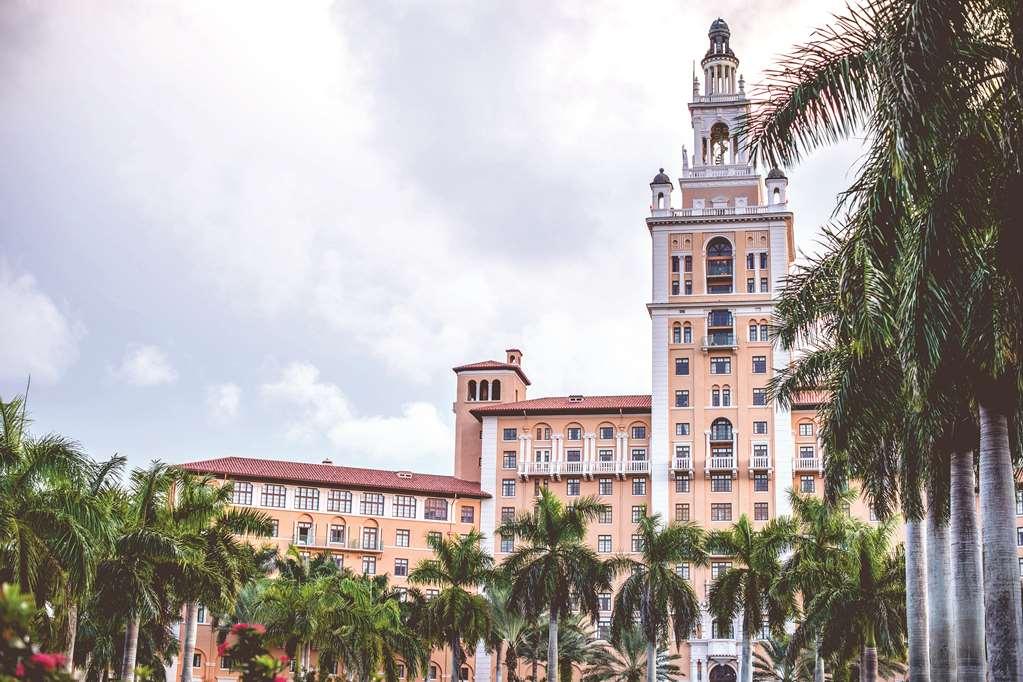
[807, 464]
[721, 648]
[719, 341]
[721, 435]
[719, 268]
[585, 468]
[683, 463]
[760, 462]
[351, 543]
[637, 466]
[721, 462]
[728, 210]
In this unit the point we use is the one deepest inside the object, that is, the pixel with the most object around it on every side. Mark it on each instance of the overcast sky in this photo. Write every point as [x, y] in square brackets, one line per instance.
[271, 229]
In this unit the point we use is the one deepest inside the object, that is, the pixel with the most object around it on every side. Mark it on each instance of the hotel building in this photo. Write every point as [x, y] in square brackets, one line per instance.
[706, 445]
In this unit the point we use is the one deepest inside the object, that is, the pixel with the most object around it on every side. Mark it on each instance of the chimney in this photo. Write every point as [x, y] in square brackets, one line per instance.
[514, 356]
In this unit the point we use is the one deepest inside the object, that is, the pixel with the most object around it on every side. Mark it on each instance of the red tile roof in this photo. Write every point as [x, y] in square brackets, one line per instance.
[809, 399]
[593, 404]
[493, 364]
[333, 475]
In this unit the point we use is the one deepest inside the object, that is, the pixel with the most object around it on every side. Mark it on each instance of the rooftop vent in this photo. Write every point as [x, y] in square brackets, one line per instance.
[327, 461]
[575, 398]
[403, 474]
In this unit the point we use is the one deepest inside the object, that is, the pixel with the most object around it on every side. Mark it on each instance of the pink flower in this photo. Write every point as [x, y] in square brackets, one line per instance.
[280, 678]
[47, 661]
[238, 627]
[222, 648]
[258, 628]
[284, 659]
[19, 670]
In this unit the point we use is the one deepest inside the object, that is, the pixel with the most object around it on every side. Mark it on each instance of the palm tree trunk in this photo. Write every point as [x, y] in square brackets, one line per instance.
[869, 665]
[552, 647]
[511, 663]
[651, 662]
[72, 634]
[1001, 569]
[131, 645]
[746, 672]
[916, 603]
[818, 664]
[536, 670]
[456, 664]
[967, 571]
[940, 636]
[188, 645]
[497, 657]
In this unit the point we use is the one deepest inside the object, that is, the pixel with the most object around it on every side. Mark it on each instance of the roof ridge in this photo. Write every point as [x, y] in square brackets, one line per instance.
[321, 464]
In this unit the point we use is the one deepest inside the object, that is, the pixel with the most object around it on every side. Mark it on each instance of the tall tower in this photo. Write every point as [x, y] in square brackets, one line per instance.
[718, 262]
[486, 383]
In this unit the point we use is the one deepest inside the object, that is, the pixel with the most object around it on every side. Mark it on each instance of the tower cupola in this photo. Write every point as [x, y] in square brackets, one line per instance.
[660, 194]
[719, 64]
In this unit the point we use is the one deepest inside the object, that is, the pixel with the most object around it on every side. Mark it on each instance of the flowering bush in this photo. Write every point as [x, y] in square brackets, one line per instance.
[20, 660]
[249, 654]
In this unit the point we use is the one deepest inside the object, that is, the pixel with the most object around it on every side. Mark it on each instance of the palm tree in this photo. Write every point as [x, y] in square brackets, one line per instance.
[457, 614]
[863, 608]
[509, 630]
[771, 661]
[578, 647]
[627, 661]
[554, 565]
[219, 564]
[746, 587]
[654, 592]
[948, 141]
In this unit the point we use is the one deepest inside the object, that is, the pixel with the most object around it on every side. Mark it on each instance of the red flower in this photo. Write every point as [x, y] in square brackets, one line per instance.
[258, 628]
[238, 627]
[284, 659]
[223, 648]
[280, 678]
[19, 670]
[47, 661]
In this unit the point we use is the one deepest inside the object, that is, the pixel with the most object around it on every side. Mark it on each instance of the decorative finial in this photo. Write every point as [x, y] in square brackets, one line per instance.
[660, 170]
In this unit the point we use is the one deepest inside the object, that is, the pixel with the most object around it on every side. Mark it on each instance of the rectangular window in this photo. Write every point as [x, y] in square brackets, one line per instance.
[273, 495]
[303, 533]
[683, 571]
[197, 661]
[507, 543]
[508, 487]
[242, 493]
[763, 285]
[336, 534]
[435, 509]
[370, 540]
[681, 366]
[404, 506]
[372, 504]
[718, 568]
[200, 613]
[759, 511]
[637, 543]
[682, 484]
[402, 537]
[225, 663]
[688, 263]
[763, 332]
[274, 528]
[638, 432]
[339, 501]
[639, 486]
[572, 487]
[806, 484]
[751, 261]
[604, 629]
[689, 287]
[1019, 503]
[806, 429]
[675, 264]
[369, 565]
[509, 460]
[674, 287]
[682, 511]
[760, 484]
[751, 285]
[721, 365]
[753, 332]
[433, 536]
[1019, 537]
[760, 427]
[721, 511]
[604, 601]
[763, 261]
[721, 483]
[468, 514]
[681, 398]
[604, 515]
[604, 486]
[575, 455]
[574, 433]
[401, 567]
[307, 498]
[510, 434]
[681, 428]
[543, 433]
[759, 396]
[638, 512]
[604, 544]
[760, 364]
[606, 432]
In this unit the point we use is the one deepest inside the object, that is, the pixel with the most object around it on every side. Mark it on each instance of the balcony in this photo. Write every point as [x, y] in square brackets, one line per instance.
[721, 648]
[719, 319]
[682, 463]
[759, 462]
[636, 466]
[728, 210]
[808, 464]
[352, 543]
[588, 468]
[719, 462]
[719, 340]
[719, 268]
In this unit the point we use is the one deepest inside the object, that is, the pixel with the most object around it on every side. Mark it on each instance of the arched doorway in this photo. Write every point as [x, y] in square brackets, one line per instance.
[722, 673]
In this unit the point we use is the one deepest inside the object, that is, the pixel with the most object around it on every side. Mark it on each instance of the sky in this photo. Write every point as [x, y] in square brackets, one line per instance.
[271, 229]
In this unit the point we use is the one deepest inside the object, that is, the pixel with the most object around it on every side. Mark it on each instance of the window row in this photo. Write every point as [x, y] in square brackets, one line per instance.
[340, 501]
[573, 433]
[605, 486]
[722, 397]
[682, 334]
[485, 390]
[721, 365]
[685, 428]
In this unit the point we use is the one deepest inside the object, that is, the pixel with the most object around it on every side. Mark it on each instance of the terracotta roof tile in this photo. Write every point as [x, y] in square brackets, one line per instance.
[593, 404]
[334, 475]
[493, 364]
[808, 399]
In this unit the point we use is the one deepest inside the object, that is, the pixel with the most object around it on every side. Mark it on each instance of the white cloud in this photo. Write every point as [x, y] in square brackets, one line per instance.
[146, 366]
[223, 401]
[37, 339]
[418, 438]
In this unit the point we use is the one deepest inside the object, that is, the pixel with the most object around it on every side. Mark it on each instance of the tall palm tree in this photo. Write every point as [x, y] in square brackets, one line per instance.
[746, 587]
[553, 565]
[628, 661]
[655, 596]
[220, 564]
[863, 608]
[458, 614]
[936, 88]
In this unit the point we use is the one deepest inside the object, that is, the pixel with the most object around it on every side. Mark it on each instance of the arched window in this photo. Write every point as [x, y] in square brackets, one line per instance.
[660, 200]
[720, 260]
[721, 429]
[471, 394]
[776, 196]
[719, 144]
[726, 396]
[715, 397]
[676, 333]
[484, 390]
[495, 390]
[687, 333]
